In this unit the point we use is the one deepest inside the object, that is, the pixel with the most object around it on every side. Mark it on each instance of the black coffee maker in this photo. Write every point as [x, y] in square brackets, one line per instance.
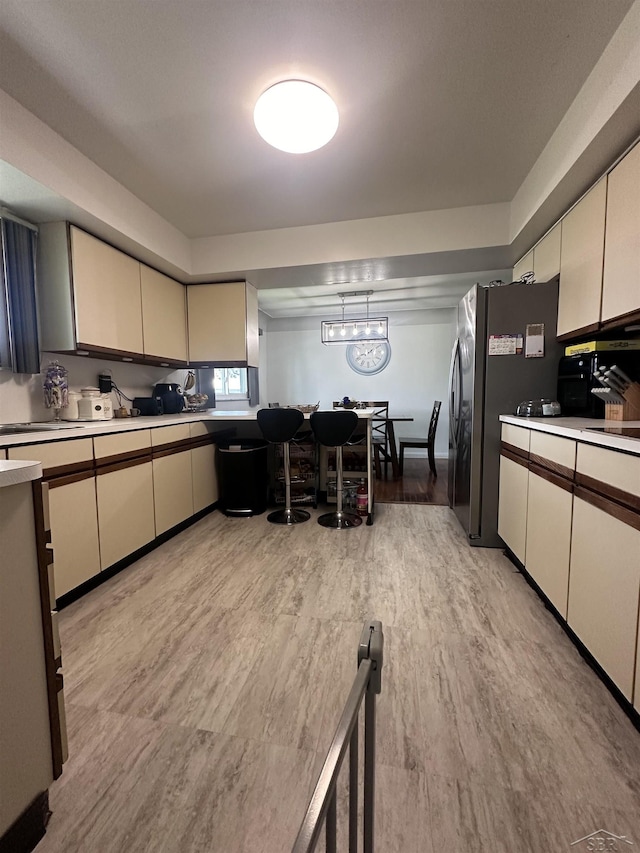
[172, 397]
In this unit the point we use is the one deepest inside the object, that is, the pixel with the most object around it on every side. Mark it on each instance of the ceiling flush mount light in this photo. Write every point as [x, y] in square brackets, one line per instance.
[357, 328]
[296, 116]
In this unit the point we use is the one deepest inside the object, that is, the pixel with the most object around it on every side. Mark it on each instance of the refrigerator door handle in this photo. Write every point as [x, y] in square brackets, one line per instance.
[455, 358]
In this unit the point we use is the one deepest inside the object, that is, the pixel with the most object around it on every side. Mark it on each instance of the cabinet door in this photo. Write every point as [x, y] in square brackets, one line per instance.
[172, 490]
[164, 315]
[106, 286]
[546, 255]
[604, 587]
[126, 519]
[512, 509]
[74, 533]
[636, 697]
[581, 260]
[549, 511]
[205, 479]
[621, 282]
[524, 265]
[223, 323]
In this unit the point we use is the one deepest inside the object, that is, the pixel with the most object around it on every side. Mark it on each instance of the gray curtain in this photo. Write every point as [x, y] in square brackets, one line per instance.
[253, 386]
[19, 297]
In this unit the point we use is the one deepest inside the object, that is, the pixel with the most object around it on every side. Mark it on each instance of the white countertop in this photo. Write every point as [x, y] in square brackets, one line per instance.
[13, 472]
[88, 429]
[579, 430]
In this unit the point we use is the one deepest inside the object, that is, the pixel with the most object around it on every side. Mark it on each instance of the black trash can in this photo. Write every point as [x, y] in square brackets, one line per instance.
[243, 476]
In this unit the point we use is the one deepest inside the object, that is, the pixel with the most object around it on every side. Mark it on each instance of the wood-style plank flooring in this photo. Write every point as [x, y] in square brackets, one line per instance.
[204, 682]
[417, 485]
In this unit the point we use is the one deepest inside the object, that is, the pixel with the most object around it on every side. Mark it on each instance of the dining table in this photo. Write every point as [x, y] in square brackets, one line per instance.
[391, 439]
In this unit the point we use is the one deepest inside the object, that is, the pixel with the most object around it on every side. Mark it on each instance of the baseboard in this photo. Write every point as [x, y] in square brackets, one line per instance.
[27, 830]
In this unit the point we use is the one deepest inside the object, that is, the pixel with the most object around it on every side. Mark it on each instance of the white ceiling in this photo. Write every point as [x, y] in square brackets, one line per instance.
[443, 103]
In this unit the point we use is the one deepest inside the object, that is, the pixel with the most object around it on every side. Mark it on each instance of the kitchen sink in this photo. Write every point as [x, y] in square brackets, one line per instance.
[16, 429]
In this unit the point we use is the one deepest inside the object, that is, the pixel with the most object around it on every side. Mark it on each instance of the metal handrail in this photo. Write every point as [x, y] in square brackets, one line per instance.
[322, 806]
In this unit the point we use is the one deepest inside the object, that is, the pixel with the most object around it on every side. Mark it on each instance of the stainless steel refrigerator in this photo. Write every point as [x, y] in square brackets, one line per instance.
[484, 384]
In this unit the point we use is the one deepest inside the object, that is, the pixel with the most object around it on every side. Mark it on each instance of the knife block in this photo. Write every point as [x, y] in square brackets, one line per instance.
[627, 411]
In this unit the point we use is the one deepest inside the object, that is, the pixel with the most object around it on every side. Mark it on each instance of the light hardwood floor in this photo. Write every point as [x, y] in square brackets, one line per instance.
[204, 682]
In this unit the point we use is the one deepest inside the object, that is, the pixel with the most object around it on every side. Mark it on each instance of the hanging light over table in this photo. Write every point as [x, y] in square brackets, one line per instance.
[348, 331]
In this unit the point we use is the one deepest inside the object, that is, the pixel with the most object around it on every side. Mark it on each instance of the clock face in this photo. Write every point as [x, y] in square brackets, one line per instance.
[368, 357]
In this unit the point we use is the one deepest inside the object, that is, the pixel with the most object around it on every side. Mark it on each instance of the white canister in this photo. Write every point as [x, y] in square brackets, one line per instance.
[91, 409]
[107, 404]
[71, 412]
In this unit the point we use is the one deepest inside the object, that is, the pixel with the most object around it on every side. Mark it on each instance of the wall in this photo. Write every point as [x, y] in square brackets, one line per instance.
[21, 396]
[300, 369]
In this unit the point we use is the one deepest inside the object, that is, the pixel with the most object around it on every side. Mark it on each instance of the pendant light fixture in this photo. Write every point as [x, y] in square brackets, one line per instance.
[347, 331]
[296, 116]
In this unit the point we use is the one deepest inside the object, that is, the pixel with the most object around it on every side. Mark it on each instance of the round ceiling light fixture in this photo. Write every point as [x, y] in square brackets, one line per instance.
[296, 116]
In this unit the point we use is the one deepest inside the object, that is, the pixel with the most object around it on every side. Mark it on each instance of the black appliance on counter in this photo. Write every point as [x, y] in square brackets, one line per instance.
[148, 405]
[576, 379]
[172, 397]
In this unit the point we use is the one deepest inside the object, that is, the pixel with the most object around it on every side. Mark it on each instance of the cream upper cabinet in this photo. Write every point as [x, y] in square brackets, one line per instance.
[164, 316]
[223, 324]
[546, 255]
[106, 285]
[621, 282]
[581, 260]
[524, 265]
[88, 293]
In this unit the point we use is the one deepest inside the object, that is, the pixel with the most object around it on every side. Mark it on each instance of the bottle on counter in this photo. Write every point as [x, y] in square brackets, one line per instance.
[362, 499]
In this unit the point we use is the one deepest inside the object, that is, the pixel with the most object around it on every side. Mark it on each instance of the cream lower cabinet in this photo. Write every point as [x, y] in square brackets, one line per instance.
[514, 487]
[124, 487]
[636, 695]
[74, 532]
[604, 588]
[126, 517]
[203, 469]
[549, 512]
[172, 476]
[552, 462]
[68, 468]
[512, 510]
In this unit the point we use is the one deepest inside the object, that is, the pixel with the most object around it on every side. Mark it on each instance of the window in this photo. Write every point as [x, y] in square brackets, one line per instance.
[18, 315]
[230, 383]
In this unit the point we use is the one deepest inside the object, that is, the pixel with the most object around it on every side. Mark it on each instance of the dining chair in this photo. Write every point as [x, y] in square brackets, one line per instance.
[428, 442]
[380, 435]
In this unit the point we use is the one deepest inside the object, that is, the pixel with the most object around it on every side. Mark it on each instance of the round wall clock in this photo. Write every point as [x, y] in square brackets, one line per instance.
[368, 357]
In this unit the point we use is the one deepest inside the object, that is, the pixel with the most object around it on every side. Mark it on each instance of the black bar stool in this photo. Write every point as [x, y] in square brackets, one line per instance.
[278, 426]
[334, 429]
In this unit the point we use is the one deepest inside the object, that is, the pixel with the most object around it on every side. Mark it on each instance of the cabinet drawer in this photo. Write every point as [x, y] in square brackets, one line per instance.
[561, 452]
[56, 454]
[200, 429]
[169, 434]
[619, 470]
[127, 442]
[516, 436]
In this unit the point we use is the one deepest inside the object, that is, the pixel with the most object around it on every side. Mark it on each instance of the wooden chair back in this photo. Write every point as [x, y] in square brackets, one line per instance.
[433, 423]
[379, 428]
